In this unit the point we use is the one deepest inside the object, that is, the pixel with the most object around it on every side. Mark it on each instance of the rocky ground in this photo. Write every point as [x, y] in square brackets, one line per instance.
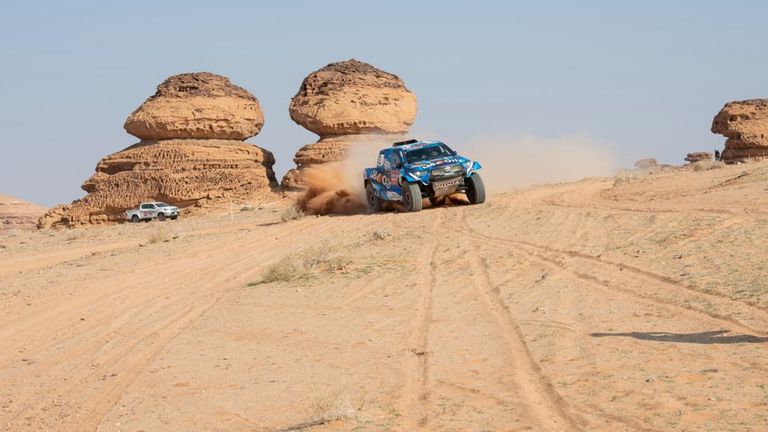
[635, 303]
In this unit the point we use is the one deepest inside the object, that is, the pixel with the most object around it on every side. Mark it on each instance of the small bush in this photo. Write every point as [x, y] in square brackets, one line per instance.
[621, 178]
[707, 165]
[247, 207]
[303, 265]
[291, 213]
[160, 235]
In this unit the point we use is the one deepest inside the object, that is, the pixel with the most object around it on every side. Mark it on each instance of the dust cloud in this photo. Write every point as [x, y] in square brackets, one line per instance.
[508, 162]
[524, 160]
[337, 187]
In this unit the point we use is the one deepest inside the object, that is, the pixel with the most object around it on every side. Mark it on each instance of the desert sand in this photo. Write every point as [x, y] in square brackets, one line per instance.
[635, 303]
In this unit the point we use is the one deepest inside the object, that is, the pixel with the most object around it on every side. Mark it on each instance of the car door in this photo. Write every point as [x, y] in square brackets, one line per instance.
[147, 211]
[392, 173]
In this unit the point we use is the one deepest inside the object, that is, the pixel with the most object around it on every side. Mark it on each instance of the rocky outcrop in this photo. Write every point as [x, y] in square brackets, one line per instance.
[646, 163]
[347, 103]
[698, 157]
[190, 167]
[197, 106]
[352, 97]
[745, 124]
[18, 214]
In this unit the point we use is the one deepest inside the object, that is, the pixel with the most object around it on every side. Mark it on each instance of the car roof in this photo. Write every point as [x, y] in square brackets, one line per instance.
[418, 144]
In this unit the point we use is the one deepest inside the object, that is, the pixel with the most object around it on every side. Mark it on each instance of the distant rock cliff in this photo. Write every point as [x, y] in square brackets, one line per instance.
[745, 124]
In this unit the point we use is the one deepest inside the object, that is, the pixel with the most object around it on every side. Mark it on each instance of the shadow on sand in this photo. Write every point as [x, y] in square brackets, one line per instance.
[708, 337]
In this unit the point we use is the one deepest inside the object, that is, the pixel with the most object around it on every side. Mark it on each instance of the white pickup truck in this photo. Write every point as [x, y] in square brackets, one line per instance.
[152, 210]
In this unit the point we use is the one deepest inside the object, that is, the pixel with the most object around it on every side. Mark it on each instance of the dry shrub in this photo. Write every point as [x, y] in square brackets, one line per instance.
[621, 178]
[330, 408]
[161, 235]
[291, 213]
[706, 165]
[304, 265]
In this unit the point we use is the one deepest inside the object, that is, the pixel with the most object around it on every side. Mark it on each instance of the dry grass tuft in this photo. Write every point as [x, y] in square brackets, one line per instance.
[707, 165]
[291, 213]
[303, 265]
[621, 178]
[161, 235]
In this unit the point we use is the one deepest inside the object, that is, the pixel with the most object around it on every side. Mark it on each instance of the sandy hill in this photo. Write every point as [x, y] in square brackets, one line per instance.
[16, 213]
[636, 303]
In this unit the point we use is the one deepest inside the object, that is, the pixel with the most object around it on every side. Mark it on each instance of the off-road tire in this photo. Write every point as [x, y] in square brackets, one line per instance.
[475, 189]
[438, 201]
[412, 197]
[135, 219]
[174, 217]
[373, 200]
[161, 217]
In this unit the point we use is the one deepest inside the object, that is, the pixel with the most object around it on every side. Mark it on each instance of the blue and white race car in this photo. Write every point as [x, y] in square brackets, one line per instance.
[412, 170]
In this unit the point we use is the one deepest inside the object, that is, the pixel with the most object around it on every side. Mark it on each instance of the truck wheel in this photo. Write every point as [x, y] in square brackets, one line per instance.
[412, 197]
[437, 201]
[475, 189]
[374, 202]
[135, 219]
[161, 217]
[174, 217]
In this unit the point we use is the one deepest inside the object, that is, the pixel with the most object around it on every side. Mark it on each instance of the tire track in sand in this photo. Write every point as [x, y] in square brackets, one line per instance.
[415, 397]
[545, 408]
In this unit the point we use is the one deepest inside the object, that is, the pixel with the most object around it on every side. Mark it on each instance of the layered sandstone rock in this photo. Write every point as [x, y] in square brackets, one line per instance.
[745, 124]
[348, 104]
[18, 214]
[352, 97]
[646, 163]
[698, 157]
[197, 106]
[199, 162]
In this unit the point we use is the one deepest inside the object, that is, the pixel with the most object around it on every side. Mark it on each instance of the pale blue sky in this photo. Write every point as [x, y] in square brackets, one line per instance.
[646, 78]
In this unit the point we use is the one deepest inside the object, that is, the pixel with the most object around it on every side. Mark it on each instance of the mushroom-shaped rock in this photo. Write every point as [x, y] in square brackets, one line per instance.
[745, 124]
[698, 157]
[352, 97]
[197, 106]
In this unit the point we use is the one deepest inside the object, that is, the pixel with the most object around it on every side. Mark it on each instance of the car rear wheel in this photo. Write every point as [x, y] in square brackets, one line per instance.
[161, 217]
[412, 197]
[374, 202]
[475, 189]
[135, 219]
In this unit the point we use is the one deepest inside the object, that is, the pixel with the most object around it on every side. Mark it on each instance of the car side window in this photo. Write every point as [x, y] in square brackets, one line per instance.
[380, 160]
[386, 164]
[396, 161]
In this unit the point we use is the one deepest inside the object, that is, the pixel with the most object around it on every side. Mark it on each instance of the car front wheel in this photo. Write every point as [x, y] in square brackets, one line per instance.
[412, 197]
[475, 189]
[161, 217]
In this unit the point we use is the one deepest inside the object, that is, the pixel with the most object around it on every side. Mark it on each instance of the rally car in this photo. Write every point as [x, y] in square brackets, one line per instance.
[152, 210]
[412, 170]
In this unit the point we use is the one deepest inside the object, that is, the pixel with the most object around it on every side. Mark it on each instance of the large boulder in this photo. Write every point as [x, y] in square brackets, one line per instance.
[186, 173]
[197, 106]
[352, 97]
[745, 124]
[18, 214]
[698, 157]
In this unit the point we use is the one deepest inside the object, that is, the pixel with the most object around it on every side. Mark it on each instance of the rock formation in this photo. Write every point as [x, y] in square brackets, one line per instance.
[745, 124]
[698, 157]
[346, 103]
[191, 154]
[646, 163]
[197, 106]
[18, 214]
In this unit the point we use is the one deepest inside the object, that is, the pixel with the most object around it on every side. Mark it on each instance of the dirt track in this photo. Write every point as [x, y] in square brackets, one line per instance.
[575, 307]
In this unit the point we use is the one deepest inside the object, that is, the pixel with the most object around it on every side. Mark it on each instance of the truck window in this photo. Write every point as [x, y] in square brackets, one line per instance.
[147, 206]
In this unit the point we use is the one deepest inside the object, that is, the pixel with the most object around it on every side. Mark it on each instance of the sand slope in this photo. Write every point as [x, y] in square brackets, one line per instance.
[18, 214]
[592, 306]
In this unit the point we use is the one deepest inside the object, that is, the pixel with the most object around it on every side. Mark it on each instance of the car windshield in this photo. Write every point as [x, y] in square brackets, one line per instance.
[428, 152]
